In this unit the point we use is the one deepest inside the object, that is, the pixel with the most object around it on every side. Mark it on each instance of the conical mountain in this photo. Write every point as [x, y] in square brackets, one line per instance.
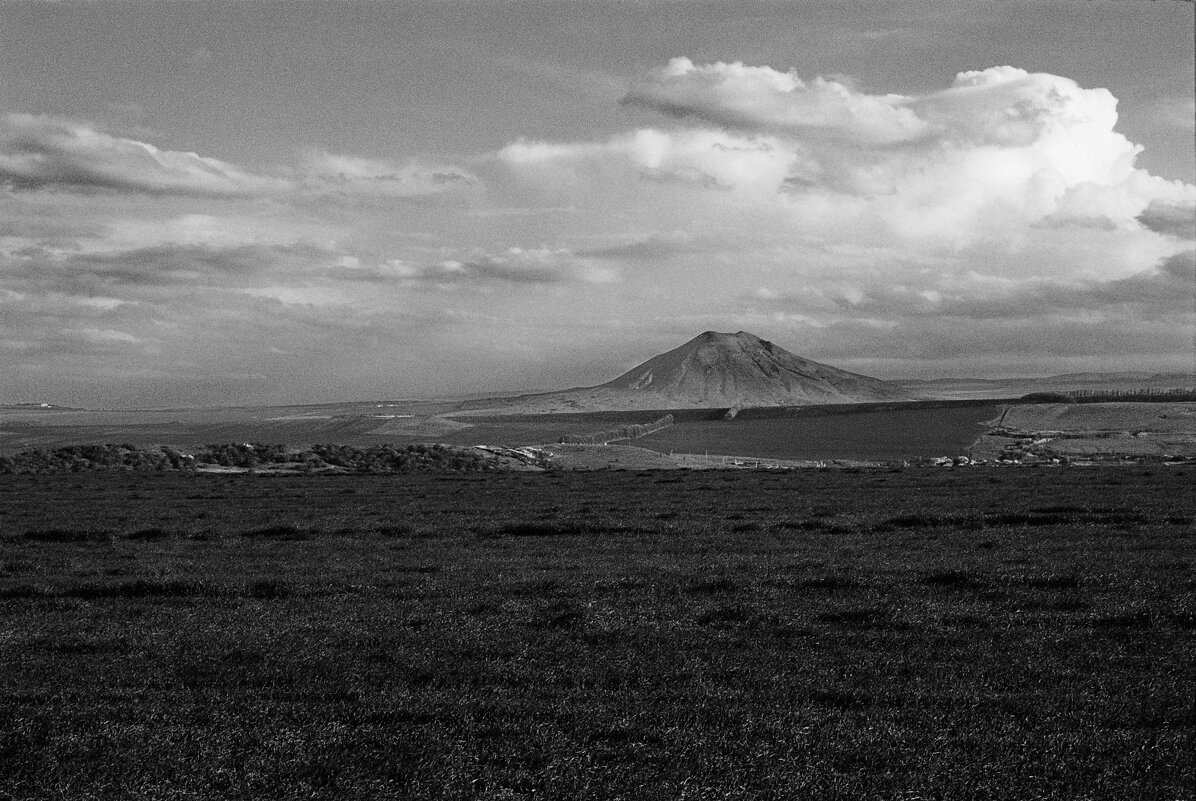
[715, 369]
[711, 371]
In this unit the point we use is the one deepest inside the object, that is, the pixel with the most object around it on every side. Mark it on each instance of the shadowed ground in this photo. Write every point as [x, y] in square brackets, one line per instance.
[991, 633]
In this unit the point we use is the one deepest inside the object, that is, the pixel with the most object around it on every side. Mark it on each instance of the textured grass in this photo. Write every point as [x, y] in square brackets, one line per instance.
[599, 636]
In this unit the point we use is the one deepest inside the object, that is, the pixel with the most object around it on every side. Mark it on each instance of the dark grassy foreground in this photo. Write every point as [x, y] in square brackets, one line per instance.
[1003, 634]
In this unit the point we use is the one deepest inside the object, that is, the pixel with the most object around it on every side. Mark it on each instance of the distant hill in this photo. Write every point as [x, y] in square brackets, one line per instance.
[713, 370]
[1070, 382]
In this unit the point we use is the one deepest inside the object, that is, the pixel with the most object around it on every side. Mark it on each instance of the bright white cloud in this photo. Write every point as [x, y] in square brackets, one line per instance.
[999, 151]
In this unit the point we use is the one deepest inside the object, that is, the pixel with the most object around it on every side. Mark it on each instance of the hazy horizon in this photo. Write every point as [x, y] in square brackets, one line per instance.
[235, 203]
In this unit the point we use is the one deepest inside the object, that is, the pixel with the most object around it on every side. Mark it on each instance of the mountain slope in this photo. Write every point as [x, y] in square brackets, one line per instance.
[715, 369]
[711, 371]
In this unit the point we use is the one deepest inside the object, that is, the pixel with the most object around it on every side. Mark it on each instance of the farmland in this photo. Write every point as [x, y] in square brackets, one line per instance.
[853, 431]
[862, 432]
[870, 434]
[990, 634]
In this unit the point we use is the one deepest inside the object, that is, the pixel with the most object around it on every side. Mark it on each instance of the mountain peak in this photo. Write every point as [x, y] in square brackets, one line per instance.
[720, 369]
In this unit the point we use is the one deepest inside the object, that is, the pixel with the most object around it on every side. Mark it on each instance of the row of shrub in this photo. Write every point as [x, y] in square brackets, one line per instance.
[340, 458]
[77, 458]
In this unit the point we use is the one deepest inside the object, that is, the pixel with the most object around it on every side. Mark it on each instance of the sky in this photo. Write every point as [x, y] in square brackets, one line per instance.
[225, 203]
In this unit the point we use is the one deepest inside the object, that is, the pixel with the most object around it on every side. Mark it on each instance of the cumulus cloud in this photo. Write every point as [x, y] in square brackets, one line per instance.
[997, 150]
[762, 98]
[42, 151]
[1174, 219]
[702, 159]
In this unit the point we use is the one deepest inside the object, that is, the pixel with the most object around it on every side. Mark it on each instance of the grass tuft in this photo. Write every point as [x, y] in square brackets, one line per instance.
[1126, 620]
[838, 699]
[951, 579]
[864, 616]
[1055, 581]
[139, 588]
[70, 535]
[283, 531]
[724, 614]
[830, 583]
[146, 534]
[712, 586]
[270, 589]
[917, 520]
[561, 618]
[19, 592]
[534, 528]
[1184, 620]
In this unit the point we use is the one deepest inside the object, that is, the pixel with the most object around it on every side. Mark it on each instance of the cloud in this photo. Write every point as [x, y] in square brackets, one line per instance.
[1165, 292]
[1176, 112]
[535, 266]
[353, 175]
[166, 281]
[998, 216]
[997, 151]
[700, 159]
[654, 248]
[762, 98]
[1182, 266]
[102, 336]
[47, 152]
[1173, 219]
[41, 151]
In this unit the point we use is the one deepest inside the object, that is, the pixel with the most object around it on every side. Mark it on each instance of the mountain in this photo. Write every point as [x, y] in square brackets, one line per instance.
[714, 370]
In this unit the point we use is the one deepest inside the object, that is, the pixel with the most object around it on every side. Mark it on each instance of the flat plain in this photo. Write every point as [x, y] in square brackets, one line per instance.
[989, 633]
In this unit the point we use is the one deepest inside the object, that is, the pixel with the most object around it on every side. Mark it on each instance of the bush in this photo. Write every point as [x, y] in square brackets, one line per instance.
[248, 455]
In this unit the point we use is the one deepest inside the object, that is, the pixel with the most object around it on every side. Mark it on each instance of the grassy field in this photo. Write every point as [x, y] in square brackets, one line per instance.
[979, 634]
